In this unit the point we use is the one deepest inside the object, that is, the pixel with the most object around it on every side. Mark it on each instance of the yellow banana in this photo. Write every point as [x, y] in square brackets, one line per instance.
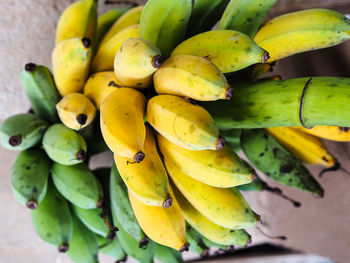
[193, 77]
[136, 61]
[221, 168]
[76, 111]
[78, 20]
[122, 123]
[302, 31]
[100, 85]
[225, 207]
[104, 59]
[70, 64]
[218, 234]
[306, 147]
[165, 226]
[147, 180]
[333, 133]
[187, 125]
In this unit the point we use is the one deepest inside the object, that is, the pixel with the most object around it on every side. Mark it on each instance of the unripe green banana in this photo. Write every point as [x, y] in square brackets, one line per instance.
[111, 248]
[29, 175]
[196, 241]
[52, 220]
[232, 138]
[22, 131]
[212, 244]
[167, 255]
[64, 145]
[78, 185]
[40, 88]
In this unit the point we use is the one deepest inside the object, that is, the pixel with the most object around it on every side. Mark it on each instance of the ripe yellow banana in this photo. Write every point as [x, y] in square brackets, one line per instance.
[302, 31]
[333, 133]
[165, 226]
[104, 59]
[147, 180]
[71, 64]
[187, 125]
[306, 147]
[76, 111]
[136, 61]
[193, 77]
[100, 85]
[216, 168]
[225, 207]
[122, 123]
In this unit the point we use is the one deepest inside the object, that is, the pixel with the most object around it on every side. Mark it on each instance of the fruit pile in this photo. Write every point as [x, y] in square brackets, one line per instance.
[171, 97]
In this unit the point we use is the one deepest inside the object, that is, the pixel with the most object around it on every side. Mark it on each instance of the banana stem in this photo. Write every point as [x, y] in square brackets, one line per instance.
[337, 166]
[113, 229]
[278, 192]
[269, 236]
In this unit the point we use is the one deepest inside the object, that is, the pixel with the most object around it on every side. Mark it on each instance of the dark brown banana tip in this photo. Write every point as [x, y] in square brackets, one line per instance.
[185, 247]
[15, 140]
[265, 57]
[32, 204]
[254, 176]
[221, 143]
[80, 155]
[111, 235]
[249, 241]
[139, 157]
[99, 203]
[63, 248]
[113, 84]
[81, 118]
[30, 67]
[167, 202]
[86, 42]
[232, 248]
[144, 242]
[229, 93]
[157, 61]
[205, 253]
[319, 195]
[259, 222]
[122, 260]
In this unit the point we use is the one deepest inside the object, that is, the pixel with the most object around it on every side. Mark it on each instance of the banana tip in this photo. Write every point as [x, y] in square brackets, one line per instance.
[63, 248]
[259, 220]
[122, 260]
[144, 242]
[220, 143]
[265, 57]
[139, 157]
[99, 203]
[86, 42]
[15, 140]
[80, 155]
[157, 61]
[30, 67]
[167, 202]
[185, 247]
[81, 118]
[32, 204]
[205, 253]
[229, 93]
[254, 176]
[249, 241]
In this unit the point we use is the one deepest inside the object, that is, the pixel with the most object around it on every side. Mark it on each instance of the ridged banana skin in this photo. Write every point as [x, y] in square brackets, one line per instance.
[148, 180]
[71, 64]
[221, 168]
[210, 230]
[224, 207]
[83, 245]
[78, 185]
[38, 83]
[111, 248]
[52, 220]
[76, 111]
[193, 77]
[78, 20]
[29, 175]
[302, 31]
[167, 255]
[333, 133]
[304, 146]
[104, 59]
[136, 61]
[164, 23]
[229, 50]
[187, 125]
[123, 108]
[22, 131]
[64, 145]
[165, 226]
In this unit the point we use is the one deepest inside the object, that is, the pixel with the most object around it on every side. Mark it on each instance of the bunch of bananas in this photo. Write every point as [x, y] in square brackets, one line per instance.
[152, 85]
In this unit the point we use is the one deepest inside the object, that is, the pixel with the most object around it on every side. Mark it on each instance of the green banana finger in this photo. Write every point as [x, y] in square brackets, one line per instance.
[232, 138]
[196, 241]
[52, 220]
[29, 175]
[22, 131]
[212, 244]
[64, 145]
[257, 185]
[168, 255]
[40, 88]
[112, 248]
[78, 185]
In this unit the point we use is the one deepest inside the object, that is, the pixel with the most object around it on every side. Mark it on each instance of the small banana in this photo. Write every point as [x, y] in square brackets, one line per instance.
[78, 185]
[112, 248]
[136, 61]
[125, 107]
[76, 111]
[302, 31]
[71, 64]
[29, 175]
[167, 255]
[183, 123]
[222, 47]
[333, 133]
[22, 131]
[40, 88]
[193, 77]
[196, 241]
[64, 145]
[52, 220]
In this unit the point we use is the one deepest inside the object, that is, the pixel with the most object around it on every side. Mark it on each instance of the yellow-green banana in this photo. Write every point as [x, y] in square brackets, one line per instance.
[122, 123]
[136, 61]
[183, 123]
[76, 111]
[112, 248]
[193, 77]
[71, 64]
[228, 50]
[333, 133]
[302, 31]
[196, 241]
[167, 255]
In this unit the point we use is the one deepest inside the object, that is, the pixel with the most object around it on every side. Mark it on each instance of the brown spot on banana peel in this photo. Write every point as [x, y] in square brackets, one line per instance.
[81, 118]
[139, 156]
[185, 247]
[167, 202]
[157, 61]
[30, 67]
[229, 93]
[32, 204]
[15, 140]
[63, 248]
[81, 155]
[220, 143]
[86, 42]
[144, 242]
[265, 57]
[113, 84]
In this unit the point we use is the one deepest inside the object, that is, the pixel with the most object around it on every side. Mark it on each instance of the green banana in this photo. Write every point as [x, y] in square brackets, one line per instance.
[52, 220]
[83, 245]
[64, 145]
[111, 248]
[164, 23]
[29, 175]
[22, 131]
[212, 244]
[196, 241]
[267, 155]
[245, 16]
[167, 255]
[78, 185]
[40, 88]
[232, 138]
